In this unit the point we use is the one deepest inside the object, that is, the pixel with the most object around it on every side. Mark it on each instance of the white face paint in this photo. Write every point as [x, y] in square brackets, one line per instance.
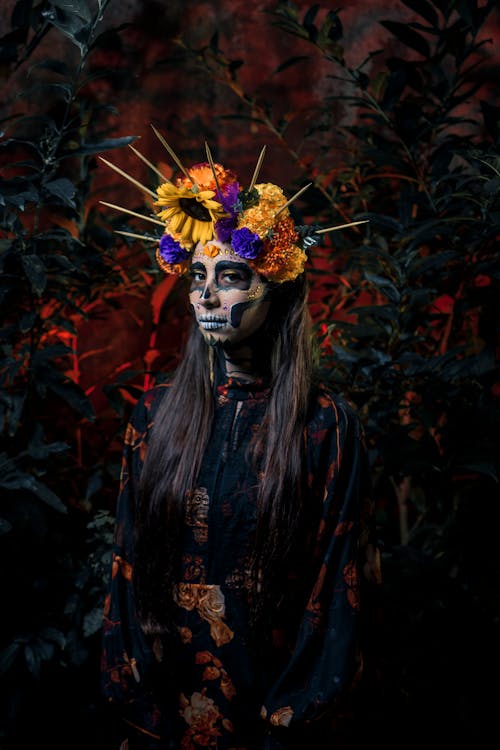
[229, 299]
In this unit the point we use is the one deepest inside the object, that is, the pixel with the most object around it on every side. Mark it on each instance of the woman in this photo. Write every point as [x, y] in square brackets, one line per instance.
[237, 608]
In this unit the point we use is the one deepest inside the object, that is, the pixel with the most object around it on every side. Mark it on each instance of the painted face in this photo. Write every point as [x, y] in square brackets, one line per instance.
[229, 299]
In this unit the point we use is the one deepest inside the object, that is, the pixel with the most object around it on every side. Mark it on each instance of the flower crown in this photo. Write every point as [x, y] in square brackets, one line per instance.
[207, 202]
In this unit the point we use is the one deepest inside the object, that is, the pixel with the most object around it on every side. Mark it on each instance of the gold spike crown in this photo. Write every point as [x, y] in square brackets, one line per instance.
[208, 202]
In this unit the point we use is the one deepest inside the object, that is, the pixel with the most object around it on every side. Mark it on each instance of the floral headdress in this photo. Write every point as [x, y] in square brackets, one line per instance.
[207, 202]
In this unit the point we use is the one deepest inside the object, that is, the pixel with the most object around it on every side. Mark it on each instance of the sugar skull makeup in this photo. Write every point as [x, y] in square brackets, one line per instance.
[228, 297]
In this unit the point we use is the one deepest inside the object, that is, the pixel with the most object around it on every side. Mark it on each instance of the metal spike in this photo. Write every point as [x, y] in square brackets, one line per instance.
[133, 213]
[341, 226]
[212, 165]
[257, 169]
[149, 164]
[173, 155]
[137, 236]
[293, 198]
[128, 177]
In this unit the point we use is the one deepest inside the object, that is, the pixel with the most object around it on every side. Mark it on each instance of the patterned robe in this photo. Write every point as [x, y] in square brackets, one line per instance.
[208, 690]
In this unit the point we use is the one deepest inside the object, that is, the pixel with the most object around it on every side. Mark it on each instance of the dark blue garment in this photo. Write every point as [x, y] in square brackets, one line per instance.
[208, 690]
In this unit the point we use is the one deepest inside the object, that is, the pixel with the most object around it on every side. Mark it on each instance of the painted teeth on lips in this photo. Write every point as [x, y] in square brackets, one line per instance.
[212, 323]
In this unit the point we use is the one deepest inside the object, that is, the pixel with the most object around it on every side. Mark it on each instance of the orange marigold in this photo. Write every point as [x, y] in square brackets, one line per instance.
[179, 269]
[281, 259]
[203, 177]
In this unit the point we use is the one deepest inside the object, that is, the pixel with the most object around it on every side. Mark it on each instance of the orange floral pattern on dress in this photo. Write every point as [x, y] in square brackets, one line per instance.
[343, 527]
[212, 620]
[202, 715]
[314, 606]
[214, 670]
[120, 565]
[282, 717]
[350, 574]
[186, 635]
[210, 604]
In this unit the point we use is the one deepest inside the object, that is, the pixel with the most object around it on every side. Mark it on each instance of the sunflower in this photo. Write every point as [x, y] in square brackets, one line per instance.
[189, 213]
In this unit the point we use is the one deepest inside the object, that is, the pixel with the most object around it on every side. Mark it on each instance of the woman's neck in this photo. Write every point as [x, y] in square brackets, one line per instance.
[239, 362]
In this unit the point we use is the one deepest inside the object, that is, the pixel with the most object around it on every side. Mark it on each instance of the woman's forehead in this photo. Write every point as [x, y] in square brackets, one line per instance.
[214, 253]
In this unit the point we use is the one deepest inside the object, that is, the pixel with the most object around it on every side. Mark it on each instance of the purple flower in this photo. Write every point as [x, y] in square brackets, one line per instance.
[228, 198]
[225, 227]
[245, 243]
[171, 251]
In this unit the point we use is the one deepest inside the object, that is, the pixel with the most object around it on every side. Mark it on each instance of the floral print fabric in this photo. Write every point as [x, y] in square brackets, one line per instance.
[207, 690]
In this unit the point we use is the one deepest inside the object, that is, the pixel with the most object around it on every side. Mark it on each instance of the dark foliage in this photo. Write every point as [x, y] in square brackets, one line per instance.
[56, 261]
[406, 309]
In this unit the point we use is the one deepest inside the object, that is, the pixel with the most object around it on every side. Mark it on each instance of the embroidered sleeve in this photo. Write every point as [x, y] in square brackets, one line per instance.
[326, 662]
[125, 655]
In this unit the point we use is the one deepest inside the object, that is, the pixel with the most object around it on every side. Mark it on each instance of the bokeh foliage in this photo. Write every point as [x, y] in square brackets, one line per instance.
[405, 307]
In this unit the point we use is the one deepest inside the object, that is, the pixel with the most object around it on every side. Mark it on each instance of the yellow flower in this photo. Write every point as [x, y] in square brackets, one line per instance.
[261, 218]
[282, 260]
[190, 214]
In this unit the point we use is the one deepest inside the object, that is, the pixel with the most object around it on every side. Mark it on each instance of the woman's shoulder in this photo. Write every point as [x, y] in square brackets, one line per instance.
[332, 408]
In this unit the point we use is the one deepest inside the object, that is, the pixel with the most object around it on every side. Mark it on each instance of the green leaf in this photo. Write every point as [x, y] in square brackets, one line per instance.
[19, 480]
[27, 321]
[5, 527]
[72, 394]
[291, 61]
[19, 199]
[101, 146]
[15, 405]
[62, 188]
[431, 263]
[32, 660]
[9, 655]
[39, 450]
[383, 312]
[332, 28]
[423, 8]
[385, 286]
[65, 89]
[53, 635]
[36, 272]
[52, 64]
[478, 467]
[408, 36]
[78, 8]
[92, 622]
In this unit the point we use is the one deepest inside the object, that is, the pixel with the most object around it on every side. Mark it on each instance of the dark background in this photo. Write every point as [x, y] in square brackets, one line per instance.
[392, 110]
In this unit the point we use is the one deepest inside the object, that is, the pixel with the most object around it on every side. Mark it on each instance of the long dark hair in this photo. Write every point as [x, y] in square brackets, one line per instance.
[178, 441]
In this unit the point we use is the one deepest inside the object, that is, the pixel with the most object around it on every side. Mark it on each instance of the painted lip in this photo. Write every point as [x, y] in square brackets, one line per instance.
[212, 323]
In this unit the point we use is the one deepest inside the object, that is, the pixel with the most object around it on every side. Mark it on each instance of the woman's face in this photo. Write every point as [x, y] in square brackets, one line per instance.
[229, 299]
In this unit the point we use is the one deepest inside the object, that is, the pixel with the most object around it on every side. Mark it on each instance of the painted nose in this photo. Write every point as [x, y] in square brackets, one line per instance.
[209, 296]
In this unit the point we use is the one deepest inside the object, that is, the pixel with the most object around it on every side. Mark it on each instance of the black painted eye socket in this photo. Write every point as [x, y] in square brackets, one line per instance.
[231, 277]
[197, 279]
